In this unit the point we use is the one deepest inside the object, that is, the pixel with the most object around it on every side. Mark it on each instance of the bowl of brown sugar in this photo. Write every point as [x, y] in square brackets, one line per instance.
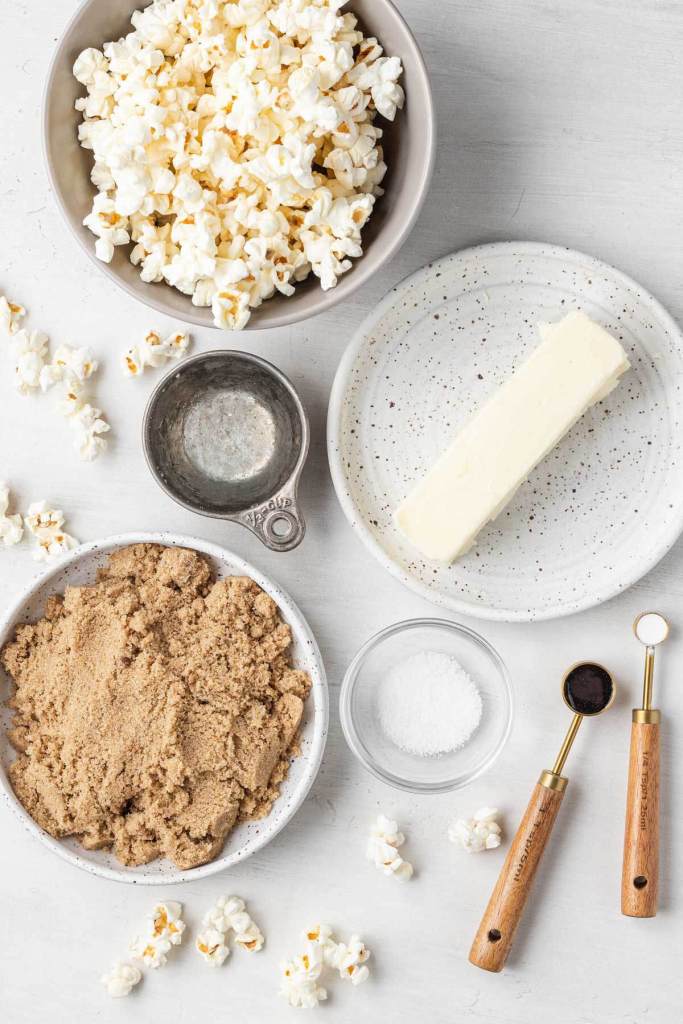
[164, 708]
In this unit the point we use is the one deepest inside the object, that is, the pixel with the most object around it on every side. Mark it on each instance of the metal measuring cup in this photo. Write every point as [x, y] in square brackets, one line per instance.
[226, 435]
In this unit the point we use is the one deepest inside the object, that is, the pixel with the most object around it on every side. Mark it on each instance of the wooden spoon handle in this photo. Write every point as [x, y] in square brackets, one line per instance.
[640, 873]
[493, 940]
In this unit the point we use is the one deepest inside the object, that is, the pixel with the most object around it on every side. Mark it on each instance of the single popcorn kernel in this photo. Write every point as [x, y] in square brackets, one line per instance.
[481, 832]
[382, 849]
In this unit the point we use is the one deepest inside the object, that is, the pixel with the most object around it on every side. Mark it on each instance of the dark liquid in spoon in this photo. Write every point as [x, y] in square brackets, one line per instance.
[588, 689]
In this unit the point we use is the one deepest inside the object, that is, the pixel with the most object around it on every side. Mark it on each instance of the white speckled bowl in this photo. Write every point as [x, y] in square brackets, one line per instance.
[600, 510]
[79, 568]
[409, 142]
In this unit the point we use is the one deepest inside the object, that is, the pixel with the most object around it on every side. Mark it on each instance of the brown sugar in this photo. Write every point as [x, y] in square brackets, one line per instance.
[155, 708]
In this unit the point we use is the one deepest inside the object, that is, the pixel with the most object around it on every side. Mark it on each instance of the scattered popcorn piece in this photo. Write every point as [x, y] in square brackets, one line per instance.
[300, 992]
[68, 363]
[229, 914]
[53, 546]
[212, 947]
[235, 145]
[352, 959]
[151, 951]
[40, 519]
[482, 832]
[382, 849]
[122, 979]
[177, 344]
[10, 315]
[11, 528]
[223, 912]
[166, 922]
[154, 351]
[131, 362]
[29, 349]
[45, 524]
[88, 426]
[300, 976]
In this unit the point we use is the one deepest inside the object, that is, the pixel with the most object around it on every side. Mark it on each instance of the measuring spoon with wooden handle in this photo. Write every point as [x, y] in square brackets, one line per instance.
[640, 870]
[588, 689]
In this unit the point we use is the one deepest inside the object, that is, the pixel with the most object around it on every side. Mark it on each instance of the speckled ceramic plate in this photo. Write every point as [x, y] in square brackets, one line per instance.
[81, 567]
[604, 506]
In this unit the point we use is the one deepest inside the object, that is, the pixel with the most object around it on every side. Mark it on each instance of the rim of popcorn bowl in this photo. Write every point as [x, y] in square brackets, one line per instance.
[313, 734]
[410, 148]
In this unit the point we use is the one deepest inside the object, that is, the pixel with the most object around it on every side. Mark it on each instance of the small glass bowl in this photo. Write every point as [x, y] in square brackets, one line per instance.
[360, 718]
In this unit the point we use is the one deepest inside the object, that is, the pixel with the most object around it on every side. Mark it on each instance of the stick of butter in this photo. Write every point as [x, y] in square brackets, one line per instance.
[576, 365]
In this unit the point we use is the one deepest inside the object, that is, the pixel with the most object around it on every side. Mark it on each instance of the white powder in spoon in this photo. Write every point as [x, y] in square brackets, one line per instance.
[428, 704]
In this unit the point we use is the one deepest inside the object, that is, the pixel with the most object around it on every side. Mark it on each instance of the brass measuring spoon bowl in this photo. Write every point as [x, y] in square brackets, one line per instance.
[651, 628]
[588, 689]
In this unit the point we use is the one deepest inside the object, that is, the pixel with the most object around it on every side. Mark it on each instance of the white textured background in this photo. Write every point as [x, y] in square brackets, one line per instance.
[559, 122]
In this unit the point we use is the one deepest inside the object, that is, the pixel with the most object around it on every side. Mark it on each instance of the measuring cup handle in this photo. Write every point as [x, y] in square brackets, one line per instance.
[493, 940]
[640, 871]
[278, 524]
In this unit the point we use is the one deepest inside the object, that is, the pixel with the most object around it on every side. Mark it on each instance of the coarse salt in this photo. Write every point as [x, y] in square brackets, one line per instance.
[428, 704]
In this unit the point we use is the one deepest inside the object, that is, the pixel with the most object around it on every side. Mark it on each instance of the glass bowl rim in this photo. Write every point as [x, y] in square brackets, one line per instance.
[352, 735]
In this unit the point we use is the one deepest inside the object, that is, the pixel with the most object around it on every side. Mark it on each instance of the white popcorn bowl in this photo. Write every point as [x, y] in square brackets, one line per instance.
[360, 719]
[409, 144]
[80, 567]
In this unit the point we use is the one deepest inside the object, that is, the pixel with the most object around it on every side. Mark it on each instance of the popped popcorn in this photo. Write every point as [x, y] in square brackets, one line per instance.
[210, 944]
[154, 351]
[11, 313]
[223, 913]
[299, 977]
[11, 528]
[121, 980]
[300, 992]
[88, 426]
[382, 849]
[150, 950]
[351, 961]
[45, 524]
[214, 126]
[69, 369]
[29, 349]
[68, 363]
[482, 832]
[166, 922]
[229, 914]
